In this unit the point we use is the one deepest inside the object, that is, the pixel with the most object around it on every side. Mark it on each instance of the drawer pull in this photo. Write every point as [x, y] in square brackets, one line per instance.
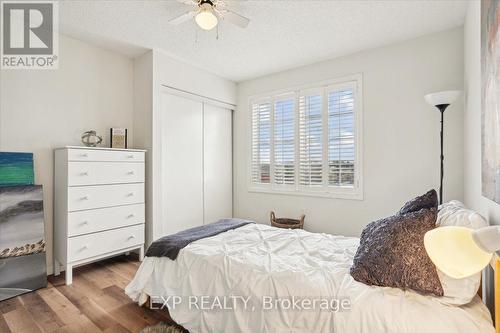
[85, 247]
[131, 172]
[85, 197]
[130, 156]
[131, 237]
[131, 194]
[85, 223]
[85, 173]
[84, 155]
[130, 216]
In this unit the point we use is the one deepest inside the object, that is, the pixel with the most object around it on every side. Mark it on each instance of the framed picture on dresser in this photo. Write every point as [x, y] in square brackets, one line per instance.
[118, 138]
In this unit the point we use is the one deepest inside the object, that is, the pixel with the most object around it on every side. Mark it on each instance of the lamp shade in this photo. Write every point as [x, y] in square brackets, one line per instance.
[206, 19]
[442, 97]
[455, 252]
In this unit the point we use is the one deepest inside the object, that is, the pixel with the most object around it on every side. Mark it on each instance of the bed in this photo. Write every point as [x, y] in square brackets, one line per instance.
[272, 268]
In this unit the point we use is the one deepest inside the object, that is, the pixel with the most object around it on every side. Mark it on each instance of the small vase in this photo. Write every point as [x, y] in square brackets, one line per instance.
[91, 139]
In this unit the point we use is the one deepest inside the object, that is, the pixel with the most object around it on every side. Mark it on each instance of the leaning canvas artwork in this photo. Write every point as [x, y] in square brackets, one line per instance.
[16, 169]
[490, 62]
[22, 243]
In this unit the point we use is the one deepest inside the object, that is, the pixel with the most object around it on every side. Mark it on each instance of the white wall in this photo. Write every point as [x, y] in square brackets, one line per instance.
[143, 124]
[180, 75]
[45, 109]
[401, 132]
[472, 130]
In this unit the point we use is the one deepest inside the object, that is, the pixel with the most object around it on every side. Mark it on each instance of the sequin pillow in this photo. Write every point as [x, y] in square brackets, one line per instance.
[392, 254]
[426, 201]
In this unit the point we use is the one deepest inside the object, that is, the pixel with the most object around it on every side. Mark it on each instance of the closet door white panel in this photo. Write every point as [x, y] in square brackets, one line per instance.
[218, 188]
[182, 163]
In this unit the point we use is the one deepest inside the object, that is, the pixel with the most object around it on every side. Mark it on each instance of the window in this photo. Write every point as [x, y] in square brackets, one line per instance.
[341, 138]
[311, 140]
[308, 141]
[261, 142]
[284, 141]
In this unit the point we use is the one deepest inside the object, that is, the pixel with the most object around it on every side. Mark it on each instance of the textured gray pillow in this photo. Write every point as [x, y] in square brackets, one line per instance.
[426, 201]
[392, 254]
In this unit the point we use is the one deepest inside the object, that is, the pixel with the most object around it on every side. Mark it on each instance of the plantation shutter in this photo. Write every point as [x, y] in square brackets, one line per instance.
[261, 142]
[341, 135]
[284, 140]
[311, 139]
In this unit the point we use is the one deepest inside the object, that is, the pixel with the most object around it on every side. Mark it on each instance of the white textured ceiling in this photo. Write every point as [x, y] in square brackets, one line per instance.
[281, 34]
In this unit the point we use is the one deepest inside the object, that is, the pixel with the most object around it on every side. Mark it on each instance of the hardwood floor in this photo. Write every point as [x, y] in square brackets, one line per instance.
[95, 302]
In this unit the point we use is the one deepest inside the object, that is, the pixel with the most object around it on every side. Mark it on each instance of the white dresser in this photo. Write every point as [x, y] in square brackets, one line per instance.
[99, 206]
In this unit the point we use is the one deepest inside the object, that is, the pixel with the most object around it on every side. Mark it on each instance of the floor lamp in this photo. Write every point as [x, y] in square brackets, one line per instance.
[441, 100]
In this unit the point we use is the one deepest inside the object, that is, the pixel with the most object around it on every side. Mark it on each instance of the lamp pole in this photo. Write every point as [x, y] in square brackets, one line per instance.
[441, 100]
[442, 108]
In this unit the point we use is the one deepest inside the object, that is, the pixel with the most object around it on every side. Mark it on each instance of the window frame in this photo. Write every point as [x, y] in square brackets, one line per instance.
[338, 192]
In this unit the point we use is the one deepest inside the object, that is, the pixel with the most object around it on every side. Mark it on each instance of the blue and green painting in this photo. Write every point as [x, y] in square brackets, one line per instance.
[16, 169]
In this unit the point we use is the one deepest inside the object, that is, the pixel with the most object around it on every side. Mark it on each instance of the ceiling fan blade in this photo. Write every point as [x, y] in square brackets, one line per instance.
[182, 18]
[235, 18]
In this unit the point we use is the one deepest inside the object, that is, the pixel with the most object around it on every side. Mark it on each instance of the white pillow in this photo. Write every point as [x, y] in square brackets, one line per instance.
[454, 213]
[459, 291]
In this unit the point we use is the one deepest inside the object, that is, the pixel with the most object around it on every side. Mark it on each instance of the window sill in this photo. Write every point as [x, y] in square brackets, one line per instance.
[355, 194]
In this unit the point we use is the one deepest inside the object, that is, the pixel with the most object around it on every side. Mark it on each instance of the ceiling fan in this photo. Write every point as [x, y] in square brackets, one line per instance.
[207, 14]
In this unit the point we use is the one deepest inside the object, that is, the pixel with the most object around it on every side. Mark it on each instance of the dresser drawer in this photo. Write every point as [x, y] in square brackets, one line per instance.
[95, 173]
[83, 247]
[88, 221]
[105, 155]
[101, 196]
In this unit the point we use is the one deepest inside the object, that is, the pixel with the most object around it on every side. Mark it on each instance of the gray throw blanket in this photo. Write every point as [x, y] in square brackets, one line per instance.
[169, 246]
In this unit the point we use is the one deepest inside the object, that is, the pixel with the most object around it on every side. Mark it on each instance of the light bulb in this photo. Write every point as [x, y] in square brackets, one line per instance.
[206, 19]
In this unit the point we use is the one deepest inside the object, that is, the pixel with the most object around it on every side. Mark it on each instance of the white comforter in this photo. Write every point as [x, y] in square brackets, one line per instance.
[265, 266]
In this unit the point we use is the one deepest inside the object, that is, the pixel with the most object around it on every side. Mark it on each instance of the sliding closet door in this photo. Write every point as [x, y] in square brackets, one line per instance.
[182, 163]
[217, 152]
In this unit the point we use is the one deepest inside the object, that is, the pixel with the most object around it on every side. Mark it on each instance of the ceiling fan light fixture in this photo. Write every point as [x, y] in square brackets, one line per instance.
[206, 19]
[208, 13]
